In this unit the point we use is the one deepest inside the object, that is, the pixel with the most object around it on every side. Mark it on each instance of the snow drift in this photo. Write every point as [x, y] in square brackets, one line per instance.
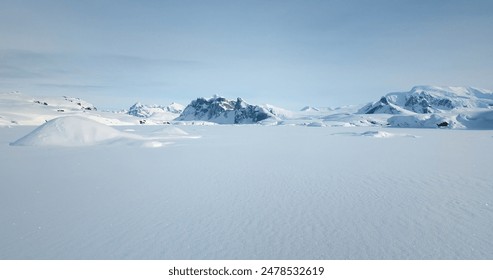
[376, 134]
[76, 131]
[72, 131]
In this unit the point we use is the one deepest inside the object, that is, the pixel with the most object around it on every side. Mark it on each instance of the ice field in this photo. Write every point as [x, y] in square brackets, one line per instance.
[247, 192]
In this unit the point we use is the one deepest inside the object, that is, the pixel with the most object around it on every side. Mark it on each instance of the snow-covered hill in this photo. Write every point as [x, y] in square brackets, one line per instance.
[21, 109]
[223, 111]
[430, 99]
[71, 131]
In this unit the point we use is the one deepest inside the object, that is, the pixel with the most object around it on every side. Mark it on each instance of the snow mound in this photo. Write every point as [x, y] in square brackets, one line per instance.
[384, 134]
[170, 131]
[376, 134]
[315, 124]
[72, 131]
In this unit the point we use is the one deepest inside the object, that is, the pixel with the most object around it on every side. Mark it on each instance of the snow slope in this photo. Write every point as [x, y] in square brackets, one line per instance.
[20, 109]
[252, 192]
[279, 112]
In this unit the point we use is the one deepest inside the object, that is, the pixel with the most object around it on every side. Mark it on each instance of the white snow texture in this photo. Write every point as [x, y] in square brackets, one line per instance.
[320, 183]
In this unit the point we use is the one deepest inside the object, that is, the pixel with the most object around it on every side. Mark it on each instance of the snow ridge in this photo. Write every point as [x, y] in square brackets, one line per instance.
[430, 99]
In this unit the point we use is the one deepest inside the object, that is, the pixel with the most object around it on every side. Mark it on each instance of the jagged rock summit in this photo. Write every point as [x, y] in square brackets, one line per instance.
[430, 99]
[223, 111]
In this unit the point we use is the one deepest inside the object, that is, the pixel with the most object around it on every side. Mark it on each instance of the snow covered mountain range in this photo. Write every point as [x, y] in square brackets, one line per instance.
[421, 107]
[223, 111]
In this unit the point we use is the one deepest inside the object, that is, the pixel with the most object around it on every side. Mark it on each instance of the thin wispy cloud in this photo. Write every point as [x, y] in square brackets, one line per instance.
[290, 53]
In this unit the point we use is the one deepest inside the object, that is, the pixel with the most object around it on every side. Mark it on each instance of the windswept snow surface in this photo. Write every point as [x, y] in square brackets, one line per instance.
[251, 192]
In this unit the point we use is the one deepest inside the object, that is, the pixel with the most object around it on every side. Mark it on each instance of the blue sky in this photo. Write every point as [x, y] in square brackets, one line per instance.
[287, 53]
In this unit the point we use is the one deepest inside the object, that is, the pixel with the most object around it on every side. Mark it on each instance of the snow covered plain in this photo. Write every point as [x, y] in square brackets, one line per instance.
[251, 192]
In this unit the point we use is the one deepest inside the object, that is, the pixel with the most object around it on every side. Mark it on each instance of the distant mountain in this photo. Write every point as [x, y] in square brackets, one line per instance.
[318, 109]
[310, 109]
[156, 111]
[223, 111]
[430, 99]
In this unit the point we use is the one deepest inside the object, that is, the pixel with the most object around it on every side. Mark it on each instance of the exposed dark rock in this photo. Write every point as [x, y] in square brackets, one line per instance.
[221, 110]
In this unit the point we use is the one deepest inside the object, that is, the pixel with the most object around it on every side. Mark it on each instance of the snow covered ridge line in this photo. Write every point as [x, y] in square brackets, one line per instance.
[436, 107]
[421, 107]
[223, 111]
[431, 99]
